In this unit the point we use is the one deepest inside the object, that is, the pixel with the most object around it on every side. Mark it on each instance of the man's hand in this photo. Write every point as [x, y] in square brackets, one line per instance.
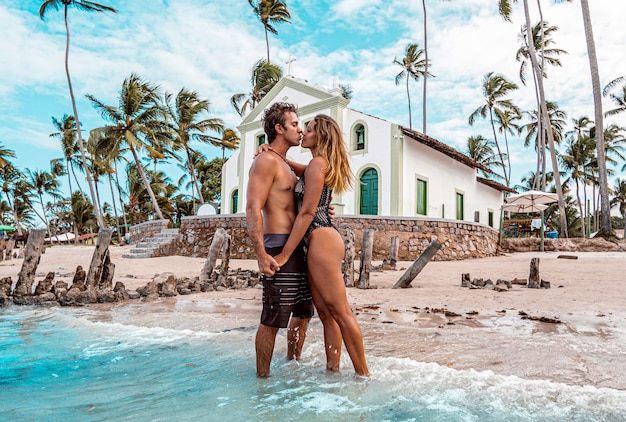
[267, 265]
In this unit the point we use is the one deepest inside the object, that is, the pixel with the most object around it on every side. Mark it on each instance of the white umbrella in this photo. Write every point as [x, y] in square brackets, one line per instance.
[532, 197]
[521, 208]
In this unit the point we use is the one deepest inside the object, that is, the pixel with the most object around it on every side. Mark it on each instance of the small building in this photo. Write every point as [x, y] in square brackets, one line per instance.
[400, 172]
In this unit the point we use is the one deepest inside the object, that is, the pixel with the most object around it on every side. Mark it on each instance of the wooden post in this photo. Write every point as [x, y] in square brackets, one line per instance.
[225, 252]
[9, 252]
[534, 281]
[366, 259]
[98, 259]
[26, 277]
[418, 265]
[393, 251]
[348, 259]
[216, 246]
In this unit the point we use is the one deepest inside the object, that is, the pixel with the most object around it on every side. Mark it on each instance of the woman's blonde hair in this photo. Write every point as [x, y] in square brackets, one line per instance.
[330, 146]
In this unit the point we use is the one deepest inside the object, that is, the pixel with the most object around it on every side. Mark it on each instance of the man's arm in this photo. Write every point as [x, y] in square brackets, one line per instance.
[260, 182]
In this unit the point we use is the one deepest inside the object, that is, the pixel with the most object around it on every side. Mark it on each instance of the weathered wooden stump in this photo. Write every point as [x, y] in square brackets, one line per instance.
[534, 281]
[348, 259]
[26, 276]
[393, 251]
[366, 259]
[9, 251]
[219, 238]
[465, 280]
[418, 265]
[98, 260]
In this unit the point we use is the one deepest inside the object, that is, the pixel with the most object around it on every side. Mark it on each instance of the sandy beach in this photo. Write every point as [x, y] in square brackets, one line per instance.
[436, 320]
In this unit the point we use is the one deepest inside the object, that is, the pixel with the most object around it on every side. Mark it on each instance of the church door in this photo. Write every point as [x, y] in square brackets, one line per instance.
[369, 193]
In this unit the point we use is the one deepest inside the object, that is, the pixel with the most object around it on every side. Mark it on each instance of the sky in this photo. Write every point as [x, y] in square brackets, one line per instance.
[210, 46]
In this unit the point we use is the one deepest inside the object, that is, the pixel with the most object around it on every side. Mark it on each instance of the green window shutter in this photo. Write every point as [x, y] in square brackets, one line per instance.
[261, 140]
[459, 206]
[422, 195]
[490, 218]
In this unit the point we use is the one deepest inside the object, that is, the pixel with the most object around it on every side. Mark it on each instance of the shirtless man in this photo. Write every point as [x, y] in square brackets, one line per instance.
[270, 213]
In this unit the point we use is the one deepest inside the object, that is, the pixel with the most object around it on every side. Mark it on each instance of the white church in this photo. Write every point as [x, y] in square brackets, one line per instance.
[402, 172]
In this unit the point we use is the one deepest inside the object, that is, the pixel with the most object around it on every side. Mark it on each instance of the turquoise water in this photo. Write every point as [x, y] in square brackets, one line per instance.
[89, 365]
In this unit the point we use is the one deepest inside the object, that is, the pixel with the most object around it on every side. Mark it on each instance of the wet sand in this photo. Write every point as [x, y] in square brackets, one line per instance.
[436, 320]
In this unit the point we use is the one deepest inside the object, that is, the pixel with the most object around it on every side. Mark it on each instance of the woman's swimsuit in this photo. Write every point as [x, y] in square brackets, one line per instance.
[321, 218]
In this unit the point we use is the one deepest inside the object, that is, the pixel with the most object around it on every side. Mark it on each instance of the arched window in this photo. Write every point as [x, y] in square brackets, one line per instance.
[369, 192]
[359, 137]
[234, 201]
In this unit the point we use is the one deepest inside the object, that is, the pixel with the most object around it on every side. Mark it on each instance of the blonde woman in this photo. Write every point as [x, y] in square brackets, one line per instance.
[328, 172]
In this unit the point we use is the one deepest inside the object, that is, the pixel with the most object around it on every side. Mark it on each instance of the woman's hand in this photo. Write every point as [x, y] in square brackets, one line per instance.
[262, 148]
[281, 259]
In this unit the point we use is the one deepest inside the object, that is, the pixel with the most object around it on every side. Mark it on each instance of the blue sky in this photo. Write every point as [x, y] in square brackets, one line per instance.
[210, 46]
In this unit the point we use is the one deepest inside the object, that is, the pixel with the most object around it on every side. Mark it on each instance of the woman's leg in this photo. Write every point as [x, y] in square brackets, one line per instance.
[325, 253]
[332, 332]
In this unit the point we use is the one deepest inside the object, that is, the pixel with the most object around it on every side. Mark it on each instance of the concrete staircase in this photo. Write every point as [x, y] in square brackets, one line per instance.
[157, 245]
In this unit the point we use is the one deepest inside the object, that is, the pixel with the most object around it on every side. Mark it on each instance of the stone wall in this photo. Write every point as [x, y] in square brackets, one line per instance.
[460, 240]
[532, 244]
[146, 230]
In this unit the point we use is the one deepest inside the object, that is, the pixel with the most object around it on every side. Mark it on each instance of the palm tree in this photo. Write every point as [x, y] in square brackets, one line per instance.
[605, 215]
[507, 123]
[186, 126]
[504, 7]
[15, 190]
[264, 77]
[578, 159]
[618, 98]
[86, 6]
[536, 132]
[43, 183]
[268, 12]
[67, 136]
[138, 124]
[5, 154]
[413, 67]
[480, 149]
[542, 38]
[229, 141]
[495, 88]
[619, 198]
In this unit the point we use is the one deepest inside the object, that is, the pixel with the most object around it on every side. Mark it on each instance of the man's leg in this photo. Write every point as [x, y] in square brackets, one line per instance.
[296, 335]
[264, 343]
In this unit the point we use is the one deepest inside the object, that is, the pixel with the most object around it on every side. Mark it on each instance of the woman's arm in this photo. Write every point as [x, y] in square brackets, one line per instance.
[315, 175]
[298, 168]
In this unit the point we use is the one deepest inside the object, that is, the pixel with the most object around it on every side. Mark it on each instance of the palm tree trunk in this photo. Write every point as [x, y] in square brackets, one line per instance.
[544, 111]
[605, 208]
[45, 218]
[15, 216]
[80, 188]
[425, 70]
[192, 170]
[81, 146]
[119, 193]
[267, 45]
[69, 176]
[146, 183]
[408, 96]
[580, 208]
[495, 138]
[117, 220]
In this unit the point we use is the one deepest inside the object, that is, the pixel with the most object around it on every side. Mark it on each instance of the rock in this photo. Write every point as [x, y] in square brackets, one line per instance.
[60, 289]
[79, 278]
[5, 286]
[88, 296]
[45, 285]
[168, 287]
